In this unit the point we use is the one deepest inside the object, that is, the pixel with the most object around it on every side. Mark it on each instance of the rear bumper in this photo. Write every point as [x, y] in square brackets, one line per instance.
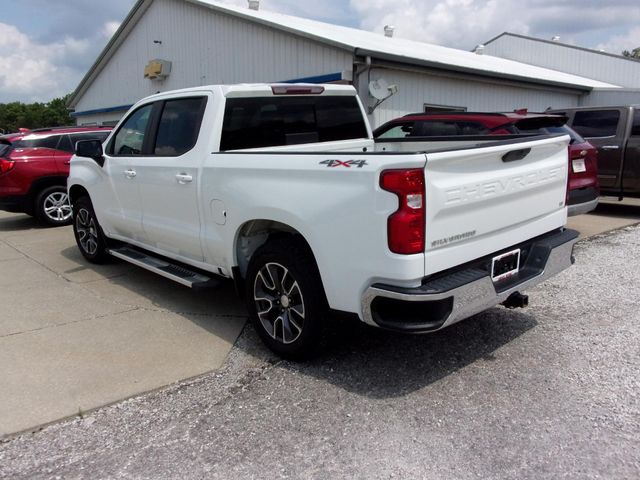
[582, 200]
[466, 290]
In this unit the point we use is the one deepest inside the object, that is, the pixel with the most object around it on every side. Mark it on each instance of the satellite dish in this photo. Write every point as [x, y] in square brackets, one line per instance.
[379, 89]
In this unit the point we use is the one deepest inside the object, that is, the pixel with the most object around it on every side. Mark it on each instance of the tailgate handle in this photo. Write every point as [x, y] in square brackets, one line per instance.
[515, 155]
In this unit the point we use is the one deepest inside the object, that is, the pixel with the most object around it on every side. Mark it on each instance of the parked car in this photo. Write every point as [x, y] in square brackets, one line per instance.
[615, 132]
[583, 189]
[33, 171]
[283, 189]
[10, 137]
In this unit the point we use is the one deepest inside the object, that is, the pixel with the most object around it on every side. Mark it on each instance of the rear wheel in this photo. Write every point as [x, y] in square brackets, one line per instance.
[87, 231]
[53, 207]
[285, 297]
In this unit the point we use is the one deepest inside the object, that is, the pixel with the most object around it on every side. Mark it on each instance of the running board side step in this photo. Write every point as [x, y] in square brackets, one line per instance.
[162, 267]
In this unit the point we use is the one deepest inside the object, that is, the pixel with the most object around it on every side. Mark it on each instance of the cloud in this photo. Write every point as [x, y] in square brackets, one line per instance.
[110, 28]
[465, 23]
[618, 43]
[31, 71]
[45, 50]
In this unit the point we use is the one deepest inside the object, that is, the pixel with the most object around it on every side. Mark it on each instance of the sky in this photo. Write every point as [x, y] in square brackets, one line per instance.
[46, 46]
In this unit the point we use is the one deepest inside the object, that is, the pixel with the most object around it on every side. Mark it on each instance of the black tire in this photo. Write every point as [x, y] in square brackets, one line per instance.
[86, 229]
[285, 297]
[52, 206]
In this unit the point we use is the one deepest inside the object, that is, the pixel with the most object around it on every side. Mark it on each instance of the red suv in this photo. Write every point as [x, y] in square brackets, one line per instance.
[34, 167]
[583, 190]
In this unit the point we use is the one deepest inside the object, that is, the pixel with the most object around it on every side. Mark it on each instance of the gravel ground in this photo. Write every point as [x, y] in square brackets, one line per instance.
[547, 392]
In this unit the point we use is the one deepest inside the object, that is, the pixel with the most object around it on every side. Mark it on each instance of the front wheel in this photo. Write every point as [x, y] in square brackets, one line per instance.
[285, 297]
[86, 229]
[53, 207]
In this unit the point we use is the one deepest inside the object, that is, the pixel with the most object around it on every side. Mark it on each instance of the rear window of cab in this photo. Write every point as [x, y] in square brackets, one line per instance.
[276, 121]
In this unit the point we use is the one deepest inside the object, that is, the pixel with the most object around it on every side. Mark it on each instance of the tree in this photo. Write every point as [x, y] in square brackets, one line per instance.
[635, 53]
[17, 115]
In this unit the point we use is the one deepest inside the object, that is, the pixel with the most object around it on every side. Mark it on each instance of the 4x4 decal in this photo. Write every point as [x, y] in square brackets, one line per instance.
[347, 164]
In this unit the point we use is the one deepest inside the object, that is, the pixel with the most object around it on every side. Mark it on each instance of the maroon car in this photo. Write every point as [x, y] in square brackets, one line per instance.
[34, 167]
[583, 190]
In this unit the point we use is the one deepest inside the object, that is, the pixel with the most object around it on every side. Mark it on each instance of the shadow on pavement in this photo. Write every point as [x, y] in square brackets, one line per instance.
[133, 285]
[380, 364]
[620, 210]
[19, 223]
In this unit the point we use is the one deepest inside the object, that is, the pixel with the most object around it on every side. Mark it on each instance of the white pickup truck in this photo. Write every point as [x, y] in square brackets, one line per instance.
[282, 189]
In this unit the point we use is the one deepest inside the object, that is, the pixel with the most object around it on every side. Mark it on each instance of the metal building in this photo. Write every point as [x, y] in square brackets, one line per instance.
[599, 65]
[168, 44]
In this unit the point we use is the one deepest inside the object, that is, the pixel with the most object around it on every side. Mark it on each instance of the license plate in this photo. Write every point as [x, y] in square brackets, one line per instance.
[578, 165]
[505, 265]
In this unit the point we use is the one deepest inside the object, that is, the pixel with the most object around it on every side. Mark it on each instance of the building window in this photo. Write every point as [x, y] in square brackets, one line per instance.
[431, 108]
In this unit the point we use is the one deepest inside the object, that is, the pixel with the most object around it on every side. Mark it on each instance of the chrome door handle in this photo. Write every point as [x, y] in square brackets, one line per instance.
[130, 173]
[184, 178]
[610, 147]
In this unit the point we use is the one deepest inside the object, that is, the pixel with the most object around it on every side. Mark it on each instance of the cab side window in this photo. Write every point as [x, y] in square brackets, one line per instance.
[130, 137]
[179, 126]
[596, 123]
[635, 128]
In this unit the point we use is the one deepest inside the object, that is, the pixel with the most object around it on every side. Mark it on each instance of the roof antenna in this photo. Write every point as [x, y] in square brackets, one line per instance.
[254, 4]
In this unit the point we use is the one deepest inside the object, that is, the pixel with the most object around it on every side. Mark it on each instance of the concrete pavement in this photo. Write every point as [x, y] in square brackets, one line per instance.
[75, 336]
[609, 215]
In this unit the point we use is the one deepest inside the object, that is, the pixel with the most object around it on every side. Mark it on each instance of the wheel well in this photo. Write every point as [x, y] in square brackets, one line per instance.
[256, 233]
[75, 192]
[45, 182]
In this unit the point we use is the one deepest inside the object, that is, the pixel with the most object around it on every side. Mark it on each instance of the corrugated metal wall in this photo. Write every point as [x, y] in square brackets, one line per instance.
[417, 89]
[205, 47]
[606, 68]
[600, 98]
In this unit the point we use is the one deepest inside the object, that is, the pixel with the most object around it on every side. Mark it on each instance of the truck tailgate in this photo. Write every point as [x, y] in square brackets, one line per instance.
[483, 200]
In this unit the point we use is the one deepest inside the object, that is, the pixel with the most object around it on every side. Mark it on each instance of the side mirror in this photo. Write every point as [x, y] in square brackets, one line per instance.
[91, 149]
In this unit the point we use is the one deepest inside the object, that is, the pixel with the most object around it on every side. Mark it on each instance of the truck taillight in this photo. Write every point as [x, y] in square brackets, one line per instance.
[406, 226]
[6, 165]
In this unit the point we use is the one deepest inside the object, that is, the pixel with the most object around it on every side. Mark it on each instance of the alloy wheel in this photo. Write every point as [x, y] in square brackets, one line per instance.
[56, 207]
[87, 231]
[279, 303]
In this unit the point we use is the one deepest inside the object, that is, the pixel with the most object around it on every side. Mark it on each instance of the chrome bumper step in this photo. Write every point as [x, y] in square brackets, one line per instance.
[466, 292]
